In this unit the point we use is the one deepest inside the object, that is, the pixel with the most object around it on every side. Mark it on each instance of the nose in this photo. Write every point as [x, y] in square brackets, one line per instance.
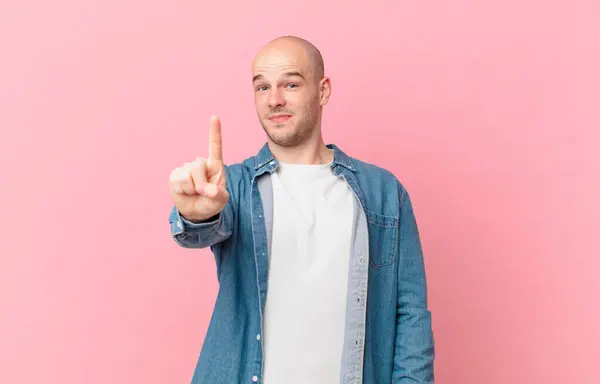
[276, 99]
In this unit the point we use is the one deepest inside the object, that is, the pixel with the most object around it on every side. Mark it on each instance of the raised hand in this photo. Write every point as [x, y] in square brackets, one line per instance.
[198, 188]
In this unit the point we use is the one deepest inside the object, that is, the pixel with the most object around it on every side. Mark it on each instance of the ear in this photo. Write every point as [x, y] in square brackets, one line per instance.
[324, 90]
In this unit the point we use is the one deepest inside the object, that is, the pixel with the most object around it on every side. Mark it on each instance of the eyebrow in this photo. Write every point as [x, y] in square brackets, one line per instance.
[293, 74]
[287, 74]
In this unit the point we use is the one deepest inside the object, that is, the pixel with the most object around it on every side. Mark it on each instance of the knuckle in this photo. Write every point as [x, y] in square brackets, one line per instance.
[182, 177]
[196, 164]
[174, 174]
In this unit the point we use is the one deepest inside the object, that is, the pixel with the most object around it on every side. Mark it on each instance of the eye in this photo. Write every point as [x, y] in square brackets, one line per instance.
[261, 88]
[292, 85]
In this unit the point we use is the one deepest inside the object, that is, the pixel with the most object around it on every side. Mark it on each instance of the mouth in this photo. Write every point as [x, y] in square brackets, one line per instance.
[279, 118]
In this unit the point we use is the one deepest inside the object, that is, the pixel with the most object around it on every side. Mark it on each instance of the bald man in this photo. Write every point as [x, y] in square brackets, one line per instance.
[319, 262]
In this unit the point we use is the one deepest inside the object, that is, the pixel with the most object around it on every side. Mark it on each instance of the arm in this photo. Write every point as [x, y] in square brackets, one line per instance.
[414, 347]
[201, 235]
[202, 215]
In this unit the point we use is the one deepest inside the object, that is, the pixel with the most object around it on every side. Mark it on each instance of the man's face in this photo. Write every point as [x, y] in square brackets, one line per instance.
[287, 96]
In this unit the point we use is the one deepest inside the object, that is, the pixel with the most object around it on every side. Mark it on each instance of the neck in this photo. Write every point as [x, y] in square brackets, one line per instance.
[313, 151]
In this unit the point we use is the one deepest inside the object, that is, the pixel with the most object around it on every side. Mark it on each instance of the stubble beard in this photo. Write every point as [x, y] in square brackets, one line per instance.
[295, 136]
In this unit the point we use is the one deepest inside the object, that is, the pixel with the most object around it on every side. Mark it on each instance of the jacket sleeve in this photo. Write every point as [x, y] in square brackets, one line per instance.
[414, 344]
[201, 235]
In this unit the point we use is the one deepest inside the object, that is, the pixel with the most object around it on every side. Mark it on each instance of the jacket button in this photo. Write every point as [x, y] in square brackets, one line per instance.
[254, 378]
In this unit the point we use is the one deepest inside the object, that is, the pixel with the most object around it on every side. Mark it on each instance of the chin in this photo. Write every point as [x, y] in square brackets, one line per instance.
[283, 139]
[284, 129]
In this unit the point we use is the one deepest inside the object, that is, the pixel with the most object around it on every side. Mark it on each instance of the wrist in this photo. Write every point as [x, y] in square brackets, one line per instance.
[200, 219]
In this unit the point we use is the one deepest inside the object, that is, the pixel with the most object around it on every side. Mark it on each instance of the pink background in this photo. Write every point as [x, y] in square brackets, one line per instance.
[487, 111]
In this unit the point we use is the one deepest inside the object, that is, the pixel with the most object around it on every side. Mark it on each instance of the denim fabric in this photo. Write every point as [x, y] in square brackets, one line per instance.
[388, 332]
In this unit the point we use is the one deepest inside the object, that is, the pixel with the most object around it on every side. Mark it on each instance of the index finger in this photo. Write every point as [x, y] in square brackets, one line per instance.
[214, 139]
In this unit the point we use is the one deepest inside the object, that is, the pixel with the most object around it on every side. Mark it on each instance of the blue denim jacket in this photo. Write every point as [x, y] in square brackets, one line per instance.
[388, 332]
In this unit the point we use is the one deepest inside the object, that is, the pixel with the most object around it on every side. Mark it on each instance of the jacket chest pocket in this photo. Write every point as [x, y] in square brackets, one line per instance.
[383, 232]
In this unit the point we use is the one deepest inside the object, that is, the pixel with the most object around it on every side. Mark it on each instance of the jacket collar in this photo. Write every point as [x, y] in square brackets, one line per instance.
[264, 157]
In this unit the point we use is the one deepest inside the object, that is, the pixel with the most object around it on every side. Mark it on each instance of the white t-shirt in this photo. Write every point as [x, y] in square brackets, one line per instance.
[308, 275]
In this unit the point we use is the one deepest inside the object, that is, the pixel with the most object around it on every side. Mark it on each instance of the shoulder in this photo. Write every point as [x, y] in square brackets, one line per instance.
[373, 173]
[381, 179]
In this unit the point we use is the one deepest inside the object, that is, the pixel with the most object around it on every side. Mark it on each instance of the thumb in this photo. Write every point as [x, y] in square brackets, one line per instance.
[214, 191]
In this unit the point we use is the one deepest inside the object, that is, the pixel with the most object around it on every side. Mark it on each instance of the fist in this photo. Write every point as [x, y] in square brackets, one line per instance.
[199, 188]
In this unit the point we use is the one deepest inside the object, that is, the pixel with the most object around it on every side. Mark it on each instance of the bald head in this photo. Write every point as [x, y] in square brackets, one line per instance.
[302, 52]
[290, 90]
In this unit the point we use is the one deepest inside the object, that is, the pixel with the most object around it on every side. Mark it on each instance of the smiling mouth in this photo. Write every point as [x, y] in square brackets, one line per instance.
[279, 118]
